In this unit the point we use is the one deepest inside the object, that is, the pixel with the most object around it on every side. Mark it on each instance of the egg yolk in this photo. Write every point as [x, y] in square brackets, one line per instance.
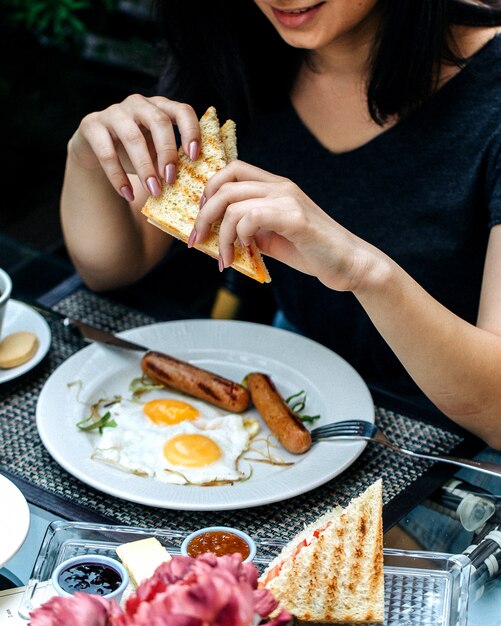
[191, 450]
[165, 412]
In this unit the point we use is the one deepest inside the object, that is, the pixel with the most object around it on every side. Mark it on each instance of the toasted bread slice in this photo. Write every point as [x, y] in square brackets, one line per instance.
[229, 137]
[333, 570]
[176, 209]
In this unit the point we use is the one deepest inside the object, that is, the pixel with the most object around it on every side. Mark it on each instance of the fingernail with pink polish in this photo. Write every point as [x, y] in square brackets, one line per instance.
[126, 192]
[153, 186]
[221, 263]
[193, 150]
[192, 238]
[170, 173]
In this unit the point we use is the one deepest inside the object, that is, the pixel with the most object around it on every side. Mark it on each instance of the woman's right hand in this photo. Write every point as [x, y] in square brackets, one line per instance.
[136, 136]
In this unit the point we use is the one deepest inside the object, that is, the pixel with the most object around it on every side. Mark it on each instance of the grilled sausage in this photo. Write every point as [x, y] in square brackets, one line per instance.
[280, 419]
[195, 381]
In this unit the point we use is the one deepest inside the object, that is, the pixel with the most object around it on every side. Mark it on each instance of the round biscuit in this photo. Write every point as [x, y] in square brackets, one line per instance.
[17, 348]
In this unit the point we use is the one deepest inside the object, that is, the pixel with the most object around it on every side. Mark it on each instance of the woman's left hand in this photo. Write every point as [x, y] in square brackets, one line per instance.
[458, 364]
[285, 224]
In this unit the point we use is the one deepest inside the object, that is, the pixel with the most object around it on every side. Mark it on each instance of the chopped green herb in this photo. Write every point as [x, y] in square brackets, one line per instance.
[90, 423]
[141, 385]
[246, 478]
[297, 403]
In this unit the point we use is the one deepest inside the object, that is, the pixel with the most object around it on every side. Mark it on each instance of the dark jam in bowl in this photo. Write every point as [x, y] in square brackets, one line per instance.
[219, 543]
[98, 578]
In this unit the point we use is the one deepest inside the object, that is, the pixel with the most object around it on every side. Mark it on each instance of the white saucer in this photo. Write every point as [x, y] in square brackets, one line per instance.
[20, 316]
[14, 519]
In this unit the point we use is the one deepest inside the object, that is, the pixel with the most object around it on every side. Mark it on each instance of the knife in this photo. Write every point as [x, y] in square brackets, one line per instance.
[88, 332]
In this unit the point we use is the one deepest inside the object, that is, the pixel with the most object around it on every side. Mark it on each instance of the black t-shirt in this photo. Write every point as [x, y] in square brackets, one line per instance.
[426, 192]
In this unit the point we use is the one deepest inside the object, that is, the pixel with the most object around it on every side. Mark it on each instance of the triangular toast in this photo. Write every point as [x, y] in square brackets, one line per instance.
[333, 570]
[175, 210]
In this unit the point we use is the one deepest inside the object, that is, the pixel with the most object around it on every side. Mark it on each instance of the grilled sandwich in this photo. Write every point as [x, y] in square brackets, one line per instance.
[176, 209]
[333, 570]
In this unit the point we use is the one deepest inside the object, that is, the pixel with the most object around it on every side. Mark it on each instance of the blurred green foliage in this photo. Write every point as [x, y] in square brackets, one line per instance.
[59, 22]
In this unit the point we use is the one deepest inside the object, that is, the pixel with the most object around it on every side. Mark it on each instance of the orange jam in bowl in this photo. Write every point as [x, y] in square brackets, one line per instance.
[220, 540]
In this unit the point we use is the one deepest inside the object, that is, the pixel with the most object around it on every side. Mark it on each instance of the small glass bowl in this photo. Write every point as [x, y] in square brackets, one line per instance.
[116, 594]
[210, 529]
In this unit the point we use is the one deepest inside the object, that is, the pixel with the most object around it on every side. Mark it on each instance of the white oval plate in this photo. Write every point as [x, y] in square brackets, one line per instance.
[14, 519]
[20, 316]
[233, 349]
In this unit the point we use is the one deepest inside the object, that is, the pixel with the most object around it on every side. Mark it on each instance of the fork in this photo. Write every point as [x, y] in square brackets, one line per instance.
[361, 429]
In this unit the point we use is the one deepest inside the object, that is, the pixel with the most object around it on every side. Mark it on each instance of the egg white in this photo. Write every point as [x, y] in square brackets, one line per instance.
[136, 445]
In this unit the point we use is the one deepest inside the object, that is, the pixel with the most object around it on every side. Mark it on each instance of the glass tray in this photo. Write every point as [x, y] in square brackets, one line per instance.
[421, 588]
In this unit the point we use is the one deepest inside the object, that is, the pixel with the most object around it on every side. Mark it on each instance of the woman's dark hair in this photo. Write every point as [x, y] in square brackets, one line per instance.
[414, 39]
[228, 54]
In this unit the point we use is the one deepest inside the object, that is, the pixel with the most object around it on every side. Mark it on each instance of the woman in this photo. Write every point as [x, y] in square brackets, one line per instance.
[370, 140]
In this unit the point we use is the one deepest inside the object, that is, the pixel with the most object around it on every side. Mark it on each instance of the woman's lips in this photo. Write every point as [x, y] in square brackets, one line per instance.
[298, 18]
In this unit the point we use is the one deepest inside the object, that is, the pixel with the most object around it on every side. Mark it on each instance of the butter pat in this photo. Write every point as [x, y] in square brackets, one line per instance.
[141, 558]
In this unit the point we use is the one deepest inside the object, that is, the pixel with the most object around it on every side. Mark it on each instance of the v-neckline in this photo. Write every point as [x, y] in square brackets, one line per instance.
[387, 134]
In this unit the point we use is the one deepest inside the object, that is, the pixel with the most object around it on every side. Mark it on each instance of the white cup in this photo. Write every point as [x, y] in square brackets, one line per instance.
[5, 291]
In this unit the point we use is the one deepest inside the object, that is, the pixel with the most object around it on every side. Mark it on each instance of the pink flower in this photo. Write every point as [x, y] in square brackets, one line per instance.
[220, 591]
[82, 609]
[202, 591]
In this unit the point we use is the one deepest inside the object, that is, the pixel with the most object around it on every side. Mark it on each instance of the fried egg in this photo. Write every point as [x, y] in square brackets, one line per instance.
[168, 441]
[167, 411]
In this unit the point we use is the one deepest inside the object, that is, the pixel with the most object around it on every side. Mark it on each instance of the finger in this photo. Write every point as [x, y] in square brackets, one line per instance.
[280, 215]
[134, 143]
[185, 118]
[207, 217]
[162, 141]
[241, 224]
[103, 147]
[238, 171]
[212, 211]
[257, 215]
[230, 229]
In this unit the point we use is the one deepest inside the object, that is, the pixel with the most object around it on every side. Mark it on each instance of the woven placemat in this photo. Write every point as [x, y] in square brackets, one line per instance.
[23, 455]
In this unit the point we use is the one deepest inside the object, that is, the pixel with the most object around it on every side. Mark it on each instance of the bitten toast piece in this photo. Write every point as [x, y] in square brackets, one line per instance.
[176, 209]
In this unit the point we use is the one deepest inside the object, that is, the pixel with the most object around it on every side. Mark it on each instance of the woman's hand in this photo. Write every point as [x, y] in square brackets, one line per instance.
[136, 136]
[456, 364]
[116, 159]
[286, 225]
